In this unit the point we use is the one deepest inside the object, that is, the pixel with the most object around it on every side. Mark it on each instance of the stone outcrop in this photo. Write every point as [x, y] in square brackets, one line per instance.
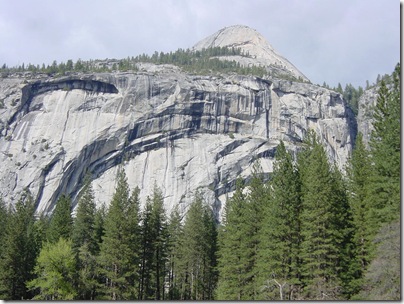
[366, 104]
[261, 53]
[184, 133]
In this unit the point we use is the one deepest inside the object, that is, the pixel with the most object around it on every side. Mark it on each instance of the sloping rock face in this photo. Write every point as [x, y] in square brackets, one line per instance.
[366, 104]
[261, 53]
[181, 132]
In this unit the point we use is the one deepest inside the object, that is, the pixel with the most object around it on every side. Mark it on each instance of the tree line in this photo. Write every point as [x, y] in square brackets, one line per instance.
[311, 232]
[205, 61]
[352, 94]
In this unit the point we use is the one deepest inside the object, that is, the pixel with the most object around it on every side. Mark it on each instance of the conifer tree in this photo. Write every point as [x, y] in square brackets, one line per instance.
[358, 173]
[116, 259]
[19, 250]
[83, 228]
[386, 153]
[61, 221]
[210, 245]
[319, 247]
[84, 244]
[99, 229]
[257, 200]
[342, 229]
[146, 251]
[279, 250]
[198, 252]
[233, 251]
[55, 270]
[133, 222]
[154, 248]
[41, 229]
[175, 230]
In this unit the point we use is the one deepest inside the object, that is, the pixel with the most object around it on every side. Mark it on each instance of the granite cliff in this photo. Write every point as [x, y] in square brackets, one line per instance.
[182, 132]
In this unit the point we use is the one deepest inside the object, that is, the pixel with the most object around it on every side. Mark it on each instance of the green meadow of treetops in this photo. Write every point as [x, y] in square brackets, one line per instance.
[309, 233]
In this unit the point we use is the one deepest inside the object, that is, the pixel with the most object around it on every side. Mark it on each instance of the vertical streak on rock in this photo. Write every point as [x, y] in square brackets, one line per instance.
[64, 127]
[144, 168]
[166, 169]
[267, 122]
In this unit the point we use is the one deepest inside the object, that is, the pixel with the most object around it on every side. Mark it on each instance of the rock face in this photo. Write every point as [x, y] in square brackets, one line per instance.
[252, 43]
[181, 132]
[365, 113]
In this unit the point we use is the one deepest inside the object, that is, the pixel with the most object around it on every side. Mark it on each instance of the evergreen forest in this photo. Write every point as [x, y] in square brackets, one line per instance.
[310, 232]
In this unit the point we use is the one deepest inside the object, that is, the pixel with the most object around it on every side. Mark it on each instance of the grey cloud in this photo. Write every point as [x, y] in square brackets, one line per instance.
[348, 41]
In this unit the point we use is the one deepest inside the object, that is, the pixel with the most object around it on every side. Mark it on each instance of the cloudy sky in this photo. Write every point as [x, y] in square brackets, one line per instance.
[336, 41]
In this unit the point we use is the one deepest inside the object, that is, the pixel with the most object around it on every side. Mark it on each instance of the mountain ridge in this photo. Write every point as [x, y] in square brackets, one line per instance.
[181, 131]
[253, 43]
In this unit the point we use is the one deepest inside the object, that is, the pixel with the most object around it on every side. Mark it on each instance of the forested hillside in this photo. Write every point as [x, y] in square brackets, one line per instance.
[205, 61]
[309, 233]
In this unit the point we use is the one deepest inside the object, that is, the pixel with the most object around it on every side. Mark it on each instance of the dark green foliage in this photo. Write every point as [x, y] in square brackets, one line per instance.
[349, 93]
[320, 251]
[243, 283]
[85, 245]
[55, 270]
[342, 230]
[174, 245]
[118, 259]
[358, 173]
[205, 61]
[153, 251]
[61, 222]
[83, 228]
[279, 249]
[385, 143]
[234, 254]
[19, 250]
[198, 252]
[99, 229]
[352, 95]
[257, 201]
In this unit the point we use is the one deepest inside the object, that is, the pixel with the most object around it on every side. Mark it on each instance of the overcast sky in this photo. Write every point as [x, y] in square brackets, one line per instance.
[346, 41]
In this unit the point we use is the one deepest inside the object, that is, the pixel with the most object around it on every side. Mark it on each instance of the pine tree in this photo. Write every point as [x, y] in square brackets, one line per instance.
[99, 228]
[116, 259]
[233, 251]
[358, 173]
[210, 262]
[154, 248]
[83, 228]
[279, 249]
[342, 229]
[19, 250]
[257, 200]
[319, 247]
[133, 222]
[55, 270]
[61, 222]
[198, 252]
[84, 243]
[175, 230]
[386, 153]
[146, 251]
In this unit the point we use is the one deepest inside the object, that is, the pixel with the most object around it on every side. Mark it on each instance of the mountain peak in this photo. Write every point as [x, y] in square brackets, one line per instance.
[251, 42]
[234, 36]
